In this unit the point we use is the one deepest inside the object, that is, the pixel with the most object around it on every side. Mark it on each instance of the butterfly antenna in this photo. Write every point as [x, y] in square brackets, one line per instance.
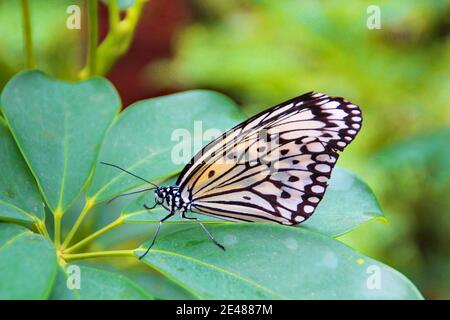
[129, 193]
[130, 173]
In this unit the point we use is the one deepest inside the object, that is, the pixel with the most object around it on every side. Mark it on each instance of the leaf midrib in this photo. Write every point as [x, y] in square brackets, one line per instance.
[65, 158]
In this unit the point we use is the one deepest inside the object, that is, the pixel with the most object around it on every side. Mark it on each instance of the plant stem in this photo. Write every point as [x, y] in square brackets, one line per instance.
[114, 17]
[118, 39]
[41, 228]
[90, 202]
[93, 37]
[57, 216]
[98, 254]
[28, 40]
[116, 223]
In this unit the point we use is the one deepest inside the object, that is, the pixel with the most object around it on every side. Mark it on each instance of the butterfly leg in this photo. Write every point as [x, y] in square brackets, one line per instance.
[183, 215]
[150, 208]
[156, 234]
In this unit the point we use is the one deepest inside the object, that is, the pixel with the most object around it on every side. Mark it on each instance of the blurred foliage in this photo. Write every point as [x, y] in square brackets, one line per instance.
[262, 52]
[417, 242]
[57, 48]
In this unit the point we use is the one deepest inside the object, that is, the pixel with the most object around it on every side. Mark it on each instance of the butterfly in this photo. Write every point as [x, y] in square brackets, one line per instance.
[273, 167]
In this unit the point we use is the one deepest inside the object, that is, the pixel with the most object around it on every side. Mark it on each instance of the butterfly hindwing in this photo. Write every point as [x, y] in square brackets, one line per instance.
[276, 165]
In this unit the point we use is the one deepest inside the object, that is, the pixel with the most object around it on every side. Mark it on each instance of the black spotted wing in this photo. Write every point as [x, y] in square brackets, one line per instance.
[276, 165]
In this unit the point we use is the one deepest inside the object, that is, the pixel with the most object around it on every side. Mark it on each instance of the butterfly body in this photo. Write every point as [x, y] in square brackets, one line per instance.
[170, 198]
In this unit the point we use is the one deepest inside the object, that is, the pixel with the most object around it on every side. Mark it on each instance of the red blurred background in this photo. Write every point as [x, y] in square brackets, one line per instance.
[167, 17]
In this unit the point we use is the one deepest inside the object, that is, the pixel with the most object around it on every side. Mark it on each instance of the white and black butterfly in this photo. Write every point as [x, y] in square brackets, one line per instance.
[272, 167]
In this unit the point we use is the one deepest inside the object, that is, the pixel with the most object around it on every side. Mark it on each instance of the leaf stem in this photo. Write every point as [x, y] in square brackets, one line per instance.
[118, 39]
[90, 202]
[98, 254]
[41, 228]
[57, 216]
[27, 36]
[93, 38]
[114, 17]
[116, 223]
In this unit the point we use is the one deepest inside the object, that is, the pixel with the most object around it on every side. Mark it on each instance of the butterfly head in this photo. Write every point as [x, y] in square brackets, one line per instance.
[167, 195]
[160, 194]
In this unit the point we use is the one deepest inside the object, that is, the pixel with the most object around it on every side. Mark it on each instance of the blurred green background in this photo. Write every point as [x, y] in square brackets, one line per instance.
[261, 52]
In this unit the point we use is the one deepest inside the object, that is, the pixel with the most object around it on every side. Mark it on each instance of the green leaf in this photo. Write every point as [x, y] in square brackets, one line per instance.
[59, 127]
[272, 262]
[20, 200]
[160, 286]
[124, 4]
[96, 284]
[121, 4]
[27, 264]
[348, 203]
[142, 139]
[60, 289]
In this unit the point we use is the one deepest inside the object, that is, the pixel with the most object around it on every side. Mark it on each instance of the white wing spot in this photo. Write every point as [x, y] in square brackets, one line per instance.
[315, 147]
[313, 199]
[317, 189]
[356, 119]
[331, 105]
[356, 126]
[308, 209]
[325, 157]
[322, 167]
[299, 218]
[322, 179]
[341, 144]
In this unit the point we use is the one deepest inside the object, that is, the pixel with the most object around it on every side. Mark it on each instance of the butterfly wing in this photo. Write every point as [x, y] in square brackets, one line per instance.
[274, 166]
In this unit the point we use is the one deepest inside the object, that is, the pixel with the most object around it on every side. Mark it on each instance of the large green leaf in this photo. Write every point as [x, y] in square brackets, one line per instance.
[96, 284]
[60, 289]
[348, 203]
[27, 264]
[142, 139]
[59, 127]
[160, 286]
[20, 200]
[272, 262]
[138, 275]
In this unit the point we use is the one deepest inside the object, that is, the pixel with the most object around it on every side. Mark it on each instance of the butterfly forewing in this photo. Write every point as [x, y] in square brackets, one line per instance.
[276, 165]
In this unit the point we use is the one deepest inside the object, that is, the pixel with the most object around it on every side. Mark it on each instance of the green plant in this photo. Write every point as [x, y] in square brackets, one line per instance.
[272, 50]
[54, 212]
[52, 137]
